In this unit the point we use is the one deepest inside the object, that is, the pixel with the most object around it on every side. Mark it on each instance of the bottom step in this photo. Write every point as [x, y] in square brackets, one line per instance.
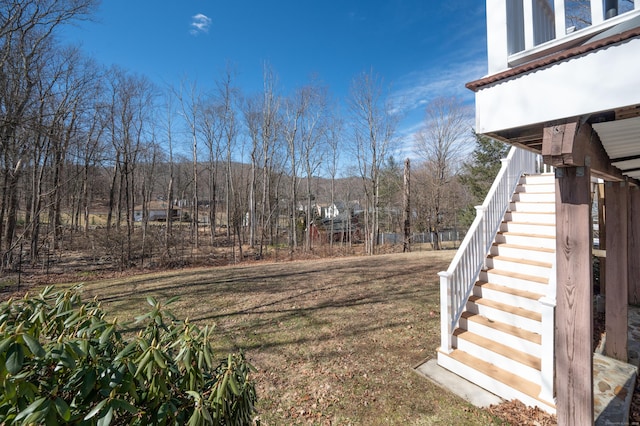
[495, 379]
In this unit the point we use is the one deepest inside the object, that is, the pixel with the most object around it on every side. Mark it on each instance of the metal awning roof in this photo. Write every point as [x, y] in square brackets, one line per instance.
[621, 140]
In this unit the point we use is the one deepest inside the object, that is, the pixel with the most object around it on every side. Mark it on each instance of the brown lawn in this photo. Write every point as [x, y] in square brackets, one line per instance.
[334, 341]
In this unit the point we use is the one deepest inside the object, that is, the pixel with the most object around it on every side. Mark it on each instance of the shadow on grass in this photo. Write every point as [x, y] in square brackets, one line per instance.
[255, 304]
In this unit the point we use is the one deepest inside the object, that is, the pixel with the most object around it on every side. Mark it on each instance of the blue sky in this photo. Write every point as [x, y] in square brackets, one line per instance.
[422, 49]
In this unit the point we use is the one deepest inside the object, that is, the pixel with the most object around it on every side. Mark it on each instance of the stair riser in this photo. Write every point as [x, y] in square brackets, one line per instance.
[538, 207]
[514, 282]
[515, 342]
[488, 383]
[505, 363]
[528, 217]
[548, 179]
[549, 243]
[505, 317]
[519, 253]
[534, 197]
[528, 228]
[537, 188]
[509, 299]
[520, 268]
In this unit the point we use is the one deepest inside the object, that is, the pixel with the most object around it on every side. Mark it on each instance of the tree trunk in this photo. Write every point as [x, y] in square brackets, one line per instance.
[406, 246]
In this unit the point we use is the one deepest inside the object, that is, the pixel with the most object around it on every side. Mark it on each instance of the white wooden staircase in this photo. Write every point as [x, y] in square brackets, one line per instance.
[497, 342]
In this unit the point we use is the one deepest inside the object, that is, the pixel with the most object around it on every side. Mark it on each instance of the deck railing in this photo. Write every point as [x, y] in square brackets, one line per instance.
[522, 30]
[548, 339]
[456, 283]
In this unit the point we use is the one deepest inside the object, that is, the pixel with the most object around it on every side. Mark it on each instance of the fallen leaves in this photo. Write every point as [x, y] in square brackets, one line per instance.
[516, 413]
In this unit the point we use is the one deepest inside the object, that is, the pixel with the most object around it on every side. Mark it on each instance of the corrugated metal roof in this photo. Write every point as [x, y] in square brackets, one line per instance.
[621, 140]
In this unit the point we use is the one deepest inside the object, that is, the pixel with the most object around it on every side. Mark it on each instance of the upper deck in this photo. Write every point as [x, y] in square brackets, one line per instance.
[521, 31]
[554, 60]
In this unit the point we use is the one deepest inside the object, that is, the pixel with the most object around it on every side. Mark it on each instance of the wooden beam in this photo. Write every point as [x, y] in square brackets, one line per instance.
[602, 234]
[576, 144]
[616, 301]
[574, 314]
[634, 246]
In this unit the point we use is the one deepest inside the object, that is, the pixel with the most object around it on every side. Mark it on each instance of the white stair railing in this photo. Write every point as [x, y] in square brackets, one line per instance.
[456, 283]
[547, 364]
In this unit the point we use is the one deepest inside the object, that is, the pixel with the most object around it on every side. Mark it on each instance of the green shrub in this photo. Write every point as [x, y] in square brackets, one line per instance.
[61, 361]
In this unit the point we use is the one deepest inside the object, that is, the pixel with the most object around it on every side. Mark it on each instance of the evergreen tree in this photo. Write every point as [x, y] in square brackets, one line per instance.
[479, 172]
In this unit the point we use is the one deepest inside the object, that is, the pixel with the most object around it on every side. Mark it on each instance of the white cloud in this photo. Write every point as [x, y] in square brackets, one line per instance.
[414, 91]
[200, 24]
[417, 89]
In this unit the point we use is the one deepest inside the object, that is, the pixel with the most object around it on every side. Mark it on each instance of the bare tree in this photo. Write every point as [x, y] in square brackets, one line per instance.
[271, 129]
[252, 116]
[334, 136]
[27, 28]
[190, 102]
[374, 129]
[578, 12]
[406, 211]
[441, 142]
[91, 148]
[312, 135]
[131, 103]
[228, 97]
[212, 132]
[294, 111]
[168, 232]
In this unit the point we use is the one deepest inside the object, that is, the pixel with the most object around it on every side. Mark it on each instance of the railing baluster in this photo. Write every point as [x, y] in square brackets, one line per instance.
[445, 312]
[547, 366]
[560, 18]
[597, 12]
[529, 25]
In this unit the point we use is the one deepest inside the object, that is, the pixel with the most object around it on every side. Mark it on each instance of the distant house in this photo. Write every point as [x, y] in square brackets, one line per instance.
[340, 208]
[334, 210]
[156, 211]
[338, 229]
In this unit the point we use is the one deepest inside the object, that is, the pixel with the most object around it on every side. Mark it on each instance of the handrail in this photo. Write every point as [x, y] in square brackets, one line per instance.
[547, 362]
[456, 283]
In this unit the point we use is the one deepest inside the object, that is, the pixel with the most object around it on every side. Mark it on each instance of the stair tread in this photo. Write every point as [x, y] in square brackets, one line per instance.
[503, 350]
[525, 185]
[510, 290]
[517, 222]
[512, 380]
[518, 246]
[503, 327]
[525, 234]
[524, 191]
[523, 261]
[534, 213]
[525, 313]
[533, 202]
[518, 275]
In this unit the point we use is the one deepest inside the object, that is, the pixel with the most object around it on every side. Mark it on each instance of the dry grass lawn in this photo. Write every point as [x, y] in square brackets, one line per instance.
[334, 341]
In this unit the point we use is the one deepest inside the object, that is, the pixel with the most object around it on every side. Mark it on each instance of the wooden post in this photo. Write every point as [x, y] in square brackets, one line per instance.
[634, 246]
[602, 233]
[616, 301]
[574, 314]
